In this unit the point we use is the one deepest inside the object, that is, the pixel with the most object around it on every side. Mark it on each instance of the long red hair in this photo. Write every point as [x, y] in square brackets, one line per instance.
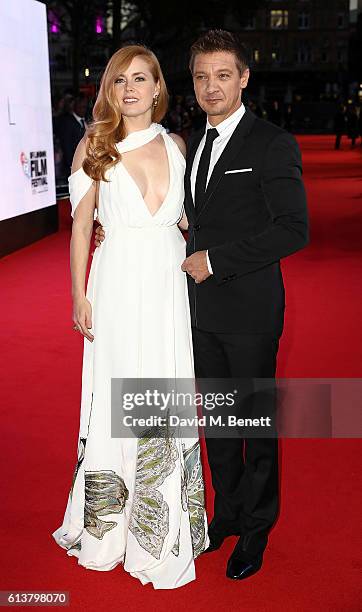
[107, 127]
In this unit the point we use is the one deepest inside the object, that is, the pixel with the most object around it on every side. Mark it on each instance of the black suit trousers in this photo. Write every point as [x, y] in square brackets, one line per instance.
[244, 471]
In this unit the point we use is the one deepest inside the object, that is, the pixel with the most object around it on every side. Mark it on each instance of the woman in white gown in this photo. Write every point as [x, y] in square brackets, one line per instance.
[135, 502]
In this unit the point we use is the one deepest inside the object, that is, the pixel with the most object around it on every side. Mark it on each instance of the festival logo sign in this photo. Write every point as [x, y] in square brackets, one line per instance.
[35, 167]
[25, 163]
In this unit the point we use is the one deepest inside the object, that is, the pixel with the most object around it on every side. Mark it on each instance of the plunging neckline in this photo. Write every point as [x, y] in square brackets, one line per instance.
[169, 177]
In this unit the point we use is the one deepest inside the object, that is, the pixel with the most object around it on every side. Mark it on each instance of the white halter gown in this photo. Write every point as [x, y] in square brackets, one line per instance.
[141, 505]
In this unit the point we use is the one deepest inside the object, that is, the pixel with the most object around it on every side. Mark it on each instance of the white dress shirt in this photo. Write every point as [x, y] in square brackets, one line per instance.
[80, 120]
[226, 129]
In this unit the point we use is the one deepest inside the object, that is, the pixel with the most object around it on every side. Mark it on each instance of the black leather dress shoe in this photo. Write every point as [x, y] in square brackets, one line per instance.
[239, 569]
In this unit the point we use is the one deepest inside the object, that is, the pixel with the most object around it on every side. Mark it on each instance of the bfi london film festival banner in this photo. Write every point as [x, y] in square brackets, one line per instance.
[26, 144]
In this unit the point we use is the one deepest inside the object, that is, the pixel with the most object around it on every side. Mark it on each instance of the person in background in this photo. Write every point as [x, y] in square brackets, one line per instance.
[352, 124]
[70, 129]
[340, 125]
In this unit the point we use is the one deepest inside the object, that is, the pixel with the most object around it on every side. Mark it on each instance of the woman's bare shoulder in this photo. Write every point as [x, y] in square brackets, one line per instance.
[79, 154]
[180, 143]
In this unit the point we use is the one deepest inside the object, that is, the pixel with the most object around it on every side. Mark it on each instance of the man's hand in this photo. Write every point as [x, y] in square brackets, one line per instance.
[196, 266]
[99, 236]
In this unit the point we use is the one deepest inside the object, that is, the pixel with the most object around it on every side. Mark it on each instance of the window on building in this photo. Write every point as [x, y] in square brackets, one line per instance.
[303, 21]
[341, 20]
[129, 12]
[275, 55]
[279, 19]
[304, 53]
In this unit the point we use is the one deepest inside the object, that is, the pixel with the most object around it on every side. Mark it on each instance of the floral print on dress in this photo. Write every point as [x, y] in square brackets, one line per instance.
[80, 455]
[192, 499]
[156, 460]
[105, 493]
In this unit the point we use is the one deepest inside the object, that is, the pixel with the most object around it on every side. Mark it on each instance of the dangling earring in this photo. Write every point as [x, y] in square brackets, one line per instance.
[155, 100]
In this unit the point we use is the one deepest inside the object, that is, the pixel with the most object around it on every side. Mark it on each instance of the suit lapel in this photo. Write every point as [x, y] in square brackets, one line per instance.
[229, 153]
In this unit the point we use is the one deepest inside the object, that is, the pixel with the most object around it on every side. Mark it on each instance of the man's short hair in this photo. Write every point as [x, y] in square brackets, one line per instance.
[221, 40]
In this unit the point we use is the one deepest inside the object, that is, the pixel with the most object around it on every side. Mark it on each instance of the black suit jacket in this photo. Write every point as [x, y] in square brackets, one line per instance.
[248, 221]
[69, 132]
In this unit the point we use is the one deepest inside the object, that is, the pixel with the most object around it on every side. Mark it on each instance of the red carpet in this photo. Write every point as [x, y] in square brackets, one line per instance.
[313, 561]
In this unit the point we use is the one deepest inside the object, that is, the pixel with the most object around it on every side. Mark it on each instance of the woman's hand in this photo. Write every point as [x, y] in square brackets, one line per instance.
[82, 316]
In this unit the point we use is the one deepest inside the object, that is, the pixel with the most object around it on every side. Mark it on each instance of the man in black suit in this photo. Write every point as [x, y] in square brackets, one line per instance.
[246, 206]
[70, 128]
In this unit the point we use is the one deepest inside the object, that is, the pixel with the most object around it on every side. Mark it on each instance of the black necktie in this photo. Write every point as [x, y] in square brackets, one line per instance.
[82, 123]
[203, 169]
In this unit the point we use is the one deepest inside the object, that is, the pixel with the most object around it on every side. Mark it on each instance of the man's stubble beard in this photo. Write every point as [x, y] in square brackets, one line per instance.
[224, 110]
[213, 112]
